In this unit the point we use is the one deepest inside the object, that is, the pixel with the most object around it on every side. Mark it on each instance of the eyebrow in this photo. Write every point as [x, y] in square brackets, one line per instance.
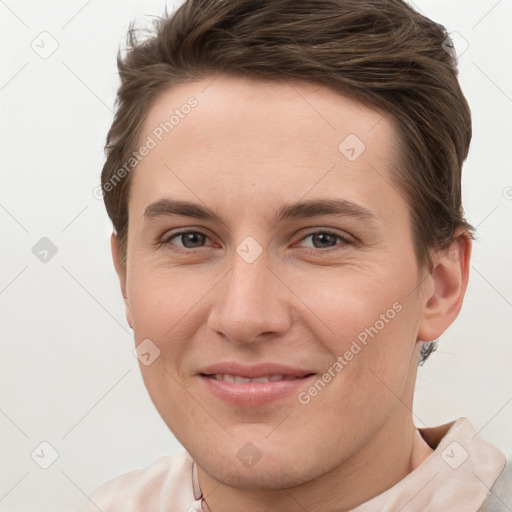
[301, 209]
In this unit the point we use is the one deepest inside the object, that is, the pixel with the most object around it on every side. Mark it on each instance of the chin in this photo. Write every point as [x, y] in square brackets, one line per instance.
[269, 472]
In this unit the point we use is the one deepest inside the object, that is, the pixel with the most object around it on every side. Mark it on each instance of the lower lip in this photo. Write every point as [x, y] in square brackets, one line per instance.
[254, 394]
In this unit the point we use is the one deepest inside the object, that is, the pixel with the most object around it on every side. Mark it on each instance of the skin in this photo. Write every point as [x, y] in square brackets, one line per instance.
[247, 149]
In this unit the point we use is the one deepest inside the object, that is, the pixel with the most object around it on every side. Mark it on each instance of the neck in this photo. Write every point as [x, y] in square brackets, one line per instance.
[394, 452]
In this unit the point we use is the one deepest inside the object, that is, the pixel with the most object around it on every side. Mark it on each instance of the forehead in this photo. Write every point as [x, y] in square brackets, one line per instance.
[290, 107]
[263, 140]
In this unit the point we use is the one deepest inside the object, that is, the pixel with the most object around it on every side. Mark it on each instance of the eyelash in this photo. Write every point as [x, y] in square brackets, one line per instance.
[346, 241]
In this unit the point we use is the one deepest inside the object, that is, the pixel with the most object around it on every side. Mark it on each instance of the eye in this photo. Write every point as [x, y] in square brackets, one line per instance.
[327, 240]
[187, 239]
[192, 239]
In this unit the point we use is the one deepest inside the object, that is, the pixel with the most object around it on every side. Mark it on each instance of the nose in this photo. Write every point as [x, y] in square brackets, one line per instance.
[251, 303]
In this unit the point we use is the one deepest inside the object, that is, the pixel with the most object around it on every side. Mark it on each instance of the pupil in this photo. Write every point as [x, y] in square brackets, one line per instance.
[324, 237]
[195, 239]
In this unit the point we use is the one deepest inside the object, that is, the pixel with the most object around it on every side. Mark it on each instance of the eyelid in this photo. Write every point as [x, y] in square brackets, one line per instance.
[330, 231]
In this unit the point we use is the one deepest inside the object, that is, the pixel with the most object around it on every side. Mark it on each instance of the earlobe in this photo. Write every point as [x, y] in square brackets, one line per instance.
[450, 278]
[121, 273]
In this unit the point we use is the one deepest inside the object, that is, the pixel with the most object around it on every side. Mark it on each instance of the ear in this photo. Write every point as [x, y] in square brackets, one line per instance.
[121, 273]
[450, 279]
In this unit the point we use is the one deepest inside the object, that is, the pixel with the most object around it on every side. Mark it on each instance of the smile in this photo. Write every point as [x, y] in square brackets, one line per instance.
[258, 389]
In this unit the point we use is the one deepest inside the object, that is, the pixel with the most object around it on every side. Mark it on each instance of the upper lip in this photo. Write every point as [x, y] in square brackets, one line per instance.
[254, 371]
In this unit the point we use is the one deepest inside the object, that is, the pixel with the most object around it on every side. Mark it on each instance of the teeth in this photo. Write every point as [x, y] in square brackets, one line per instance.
[244, 380]
[240, 379]
[260, 379]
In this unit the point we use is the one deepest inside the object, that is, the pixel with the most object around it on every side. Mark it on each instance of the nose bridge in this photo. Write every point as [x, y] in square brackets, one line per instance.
[251, 300]
[248, 281]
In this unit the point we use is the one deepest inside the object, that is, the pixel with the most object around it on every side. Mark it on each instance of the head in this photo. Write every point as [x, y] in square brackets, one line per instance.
[311, 152]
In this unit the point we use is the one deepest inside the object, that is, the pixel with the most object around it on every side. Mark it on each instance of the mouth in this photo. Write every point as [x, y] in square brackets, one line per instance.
[254, 386]
[238, 379]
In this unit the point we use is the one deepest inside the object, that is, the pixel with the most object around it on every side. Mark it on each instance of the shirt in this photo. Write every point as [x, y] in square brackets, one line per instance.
[457, 476]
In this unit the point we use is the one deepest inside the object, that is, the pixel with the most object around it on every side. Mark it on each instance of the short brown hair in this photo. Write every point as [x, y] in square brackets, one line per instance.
[379, 52]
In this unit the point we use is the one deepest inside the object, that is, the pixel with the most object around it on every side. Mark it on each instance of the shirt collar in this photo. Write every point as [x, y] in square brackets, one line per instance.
[456, 476]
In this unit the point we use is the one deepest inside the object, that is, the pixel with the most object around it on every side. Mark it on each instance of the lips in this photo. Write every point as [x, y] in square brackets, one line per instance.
[253, 386]
[253, 372]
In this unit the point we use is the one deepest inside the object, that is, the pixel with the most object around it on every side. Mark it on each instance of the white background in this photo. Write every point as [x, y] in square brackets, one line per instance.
[68, 375]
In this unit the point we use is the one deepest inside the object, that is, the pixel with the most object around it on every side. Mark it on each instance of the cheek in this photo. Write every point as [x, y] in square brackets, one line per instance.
[160, 300]
[165, 310]
[368, 322]
[354, 302]
[168, 308]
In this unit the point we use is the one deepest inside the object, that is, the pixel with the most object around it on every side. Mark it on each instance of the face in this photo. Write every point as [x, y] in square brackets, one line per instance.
[271, 265]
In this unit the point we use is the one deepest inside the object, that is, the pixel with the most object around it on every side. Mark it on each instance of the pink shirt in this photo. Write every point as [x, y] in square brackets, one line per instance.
[456, 477]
